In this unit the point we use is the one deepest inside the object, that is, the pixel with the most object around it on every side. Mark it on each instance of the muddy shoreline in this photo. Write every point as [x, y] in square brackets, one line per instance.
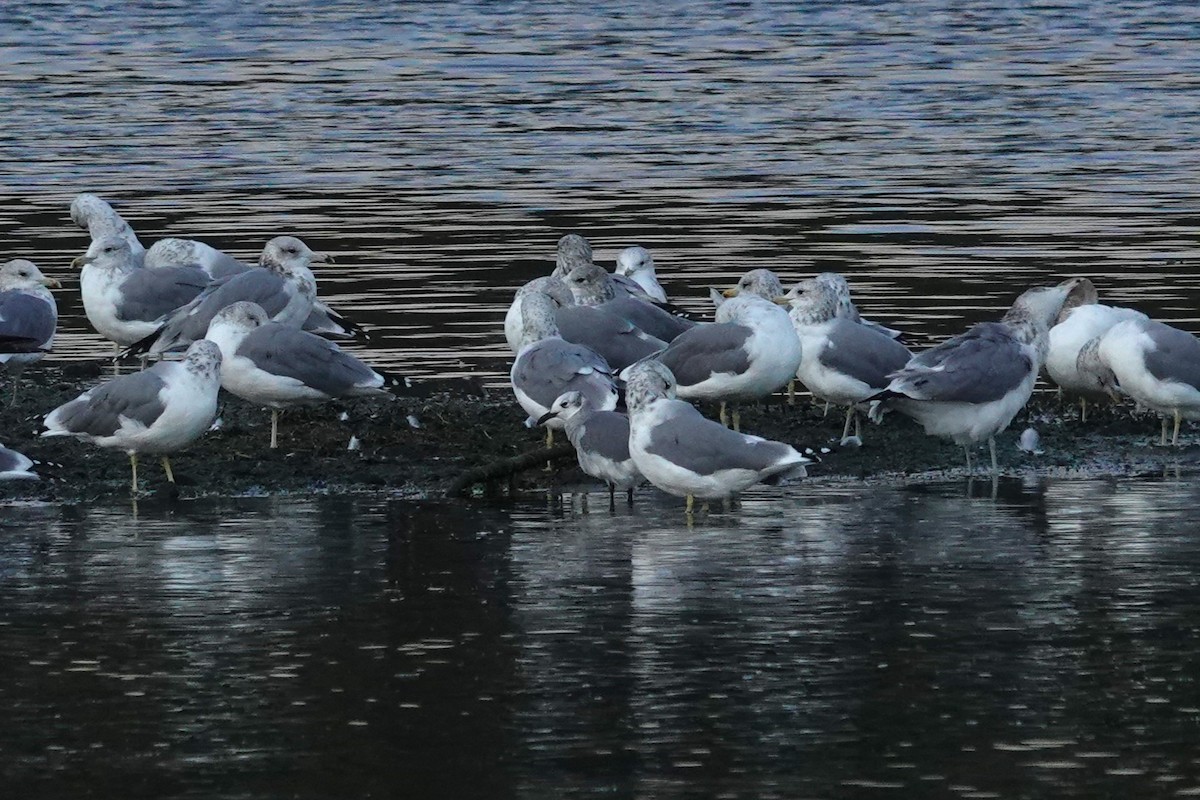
[460, 426]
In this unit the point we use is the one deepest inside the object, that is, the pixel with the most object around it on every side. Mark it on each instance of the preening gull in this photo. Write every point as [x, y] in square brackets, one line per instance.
[158, 410]
[636, 264]
[601, 440]
[16, 467]
[283, 285]
[279, 366]
[125, 302]
[98, 218]
[843, 362]
[28, 314]
[750, 351]
[970, 387]
[548, 366]
[1076, 327]
[684, 454]
[591, 285]
[1154, 363]
[572, 249]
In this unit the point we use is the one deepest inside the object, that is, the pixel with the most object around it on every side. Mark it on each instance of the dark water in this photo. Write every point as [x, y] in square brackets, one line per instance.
[921, 641]
[942, 155]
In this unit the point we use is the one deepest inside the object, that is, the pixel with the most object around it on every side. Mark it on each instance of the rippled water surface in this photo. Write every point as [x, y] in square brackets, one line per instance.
[942, 155]
[922, 641]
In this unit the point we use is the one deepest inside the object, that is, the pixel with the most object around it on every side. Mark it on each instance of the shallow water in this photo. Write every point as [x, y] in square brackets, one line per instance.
[942, 157]
[928, 640]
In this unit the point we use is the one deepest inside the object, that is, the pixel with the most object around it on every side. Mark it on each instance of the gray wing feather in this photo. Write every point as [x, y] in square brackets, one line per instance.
[863, 353]
[605, 433]
[315, 362]
[133, 396]
[1176, 354]
[25, 317]
[258, 285]
[650, 318]
[686, 438]
[150, 294]
[708, 349]
[978, 366]
[618, 340]
[555, 366]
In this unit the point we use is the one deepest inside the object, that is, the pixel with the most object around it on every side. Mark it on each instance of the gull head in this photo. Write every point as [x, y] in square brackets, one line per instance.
[633, 260]
[20, 274]
[203, 358]
[841, 290]
[572, 249]
[564, 407]
[810, 302]
[287, 254]
[761, 282]
[646, 382]
[109, 253]
[589, 283]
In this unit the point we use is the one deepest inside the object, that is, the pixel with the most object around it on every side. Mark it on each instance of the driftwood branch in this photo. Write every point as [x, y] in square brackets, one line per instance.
[509, 466]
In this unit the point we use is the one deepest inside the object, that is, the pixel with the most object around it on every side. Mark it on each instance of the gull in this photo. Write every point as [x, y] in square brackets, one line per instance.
[591, 285]
[636, 264]
[846, 308]
[619, 341]
[750, 351]
[684, 454]
[572, 249]
[601, 440]
[1077, 326]
[158, 410]
[761, 282]
[125, 302]
[1156, 364]
[970, 387]
[282, 284]
[28, 316]
[98, 218]
[843, 362]
[279, 366]
[547, 366]
[15, 466]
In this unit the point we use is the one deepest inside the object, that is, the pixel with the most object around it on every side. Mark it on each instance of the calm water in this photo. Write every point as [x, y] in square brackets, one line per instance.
[921, 641]
[943, 155]
[929, 641]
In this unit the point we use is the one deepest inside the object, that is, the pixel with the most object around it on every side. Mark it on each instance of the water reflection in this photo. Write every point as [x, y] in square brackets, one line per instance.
[817, 642]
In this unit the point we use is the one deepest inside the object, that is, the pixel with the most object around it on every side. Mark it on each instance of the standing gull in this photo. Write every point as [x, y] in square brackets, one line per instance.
[283, 285]
[601, 440]
[844, 362]
[1154, 363]
[125, 302]
[28, 316]
[637, 264]
[547, 366]
[750, 351]
[279, 366]
[970, 387]
[684, 454]
[158, 410]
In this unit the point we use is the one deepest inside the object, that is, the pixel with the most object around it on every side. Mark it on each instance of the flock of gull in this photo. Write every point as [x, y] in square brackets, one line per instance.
[587, 342]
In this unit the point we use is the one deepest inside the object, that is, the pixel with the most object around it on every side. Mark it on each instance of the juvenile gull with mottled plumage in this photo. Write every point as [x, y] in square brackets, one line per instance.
[591, 285]
[158, 410]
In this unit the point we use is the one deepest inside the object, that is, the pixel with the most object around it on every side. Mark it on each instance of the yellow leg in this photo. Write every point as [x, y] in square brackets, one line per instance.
[691, 502]
[166, 462]
[792, 392]
[1083, 409]
[724, 416]
[549, 437]
[1175, 438]
[737, 419]
[274, 428]
[133, 469]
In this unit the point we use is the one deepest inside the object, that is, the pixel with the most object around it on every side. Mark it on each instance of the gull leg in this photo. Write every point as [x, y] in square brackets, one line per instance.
[13, 400]
[549, 437]
[967, 450]
[612, 497]
[133, 470]
[826, 412]
[857, 422]
[846, 427]
[724, 416]
[792, 392]
[274, 428]
[629, 495]
[737, 418]
[992, 447]
[1163, 439]
[691, 502]
[1175, 438]
[1083, 409]
[166, 462]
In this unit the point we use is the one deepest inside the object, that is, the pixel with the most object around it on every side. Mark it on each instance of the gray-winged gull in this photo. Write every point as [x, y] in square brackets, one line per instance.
[15, 466]
[591, 285]
[547, 365]
[283, 285]
[636, 264]
[846, 307]
[158, 410]
[601, 440]
[279, 366]
[28, 316]
[98, 218]
[1156, 364]
[750, 351]
[1076, 327]
[844, 362]
[684, 454]
[125, 302]
[970, 387]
